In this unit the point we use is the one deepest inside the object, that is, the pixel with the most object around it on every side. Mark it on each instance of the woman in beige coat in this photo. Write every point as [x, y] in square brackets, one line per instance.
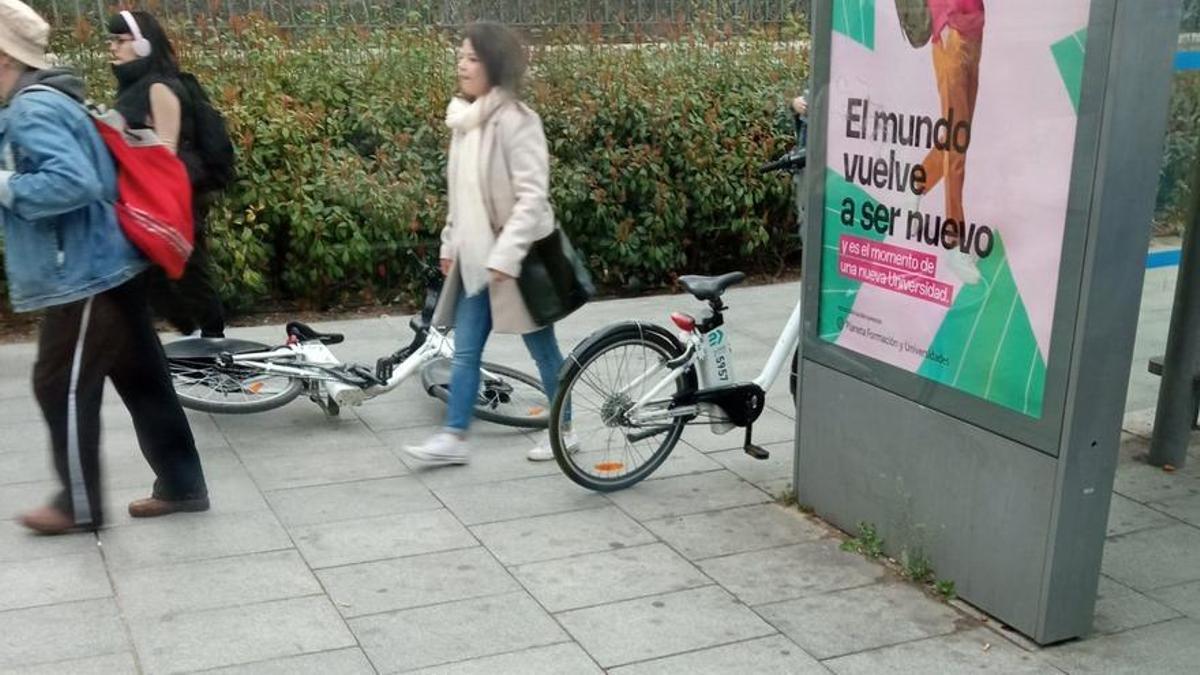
[498, 178]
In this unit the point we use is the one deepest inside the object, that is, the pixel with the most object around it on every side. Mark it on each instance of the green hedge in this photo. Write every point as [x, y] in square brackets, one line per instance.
[1179, 154]
[342, 155]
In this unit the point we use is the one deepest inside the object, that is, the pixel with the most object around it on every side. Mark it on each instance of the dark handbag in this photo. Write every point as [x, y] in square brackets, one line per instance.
[915, 21]
[554, 281]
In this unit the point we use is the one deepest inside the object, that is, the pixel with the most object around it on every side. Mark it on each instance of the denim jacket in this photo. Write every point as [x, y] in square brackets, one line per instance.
[62, 242]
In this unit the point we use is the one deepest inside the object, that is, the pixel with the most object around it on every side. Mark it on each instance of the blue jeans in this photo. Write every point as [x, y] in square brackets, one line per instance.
[472, 325]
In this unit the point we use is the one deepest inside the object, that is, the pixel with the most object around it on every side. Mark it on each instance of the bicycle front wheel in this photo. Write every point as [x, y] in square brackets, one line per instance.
[506, 396]
[615, 446]
[203, 384]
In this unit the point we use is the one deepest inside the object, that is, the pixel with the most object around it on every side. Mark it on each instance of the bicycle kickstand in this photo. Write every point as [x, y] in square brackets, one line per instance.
[755, 451]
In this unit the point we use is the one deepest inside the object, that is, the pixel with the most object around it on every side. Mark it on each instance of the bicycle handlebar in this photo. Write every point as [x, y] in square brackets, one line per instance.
[797, 157]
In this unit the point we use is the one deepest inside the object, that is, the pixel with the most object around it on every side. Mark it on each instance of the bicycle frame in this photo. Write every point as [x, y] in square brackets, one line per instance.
[315, 362]
[785, 346]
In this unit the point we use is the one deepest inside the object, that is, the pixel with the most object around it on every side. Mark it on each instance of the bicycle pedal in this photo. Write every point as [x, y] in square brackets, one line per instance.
[384, 368]
[757, 451]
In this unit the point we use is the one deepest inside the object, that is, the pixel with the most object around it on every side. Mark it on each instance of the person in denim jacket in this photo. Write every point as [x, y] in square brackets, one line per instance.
[65, 254]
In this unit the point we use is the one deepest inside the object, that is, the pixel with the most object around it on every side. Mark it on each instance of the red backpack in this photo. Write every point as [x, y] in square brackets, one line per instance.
[154, 195]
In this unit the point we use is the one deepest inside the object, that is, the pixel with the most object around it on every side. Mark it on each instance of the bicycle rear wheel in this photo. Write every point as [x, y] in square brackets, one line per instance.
[600, 386]
[205, 385]
[506, 396]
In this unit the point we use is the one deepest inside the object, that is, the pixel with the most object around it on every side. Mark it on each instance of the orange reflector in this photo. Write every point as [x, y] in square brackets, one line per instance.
[536, 410]
[609, 467]
[255, 388]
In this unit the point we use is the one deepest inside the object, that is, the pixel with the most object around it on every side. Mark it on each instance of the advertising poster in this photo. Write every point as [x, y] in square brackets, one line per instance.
[951, 133]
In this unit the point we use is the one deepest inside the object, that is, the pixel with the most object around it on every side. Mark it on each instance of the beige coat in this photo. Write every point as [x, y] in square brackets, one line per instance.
[514, 165]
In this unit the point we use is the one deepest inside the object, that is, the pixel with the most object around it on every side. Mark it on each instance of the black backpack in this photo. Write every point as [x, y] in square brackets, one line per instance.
[210, 139]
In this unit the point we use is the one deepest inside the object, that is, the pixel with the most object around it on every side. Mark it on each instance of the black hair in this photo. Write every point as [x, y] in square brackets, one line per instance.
[501, 53]
[162, 53]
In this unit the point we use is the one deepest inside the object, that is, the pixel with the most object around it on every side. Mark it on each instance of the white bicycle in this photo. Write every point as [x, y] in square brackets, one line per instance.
[239, 376]
[629, 390]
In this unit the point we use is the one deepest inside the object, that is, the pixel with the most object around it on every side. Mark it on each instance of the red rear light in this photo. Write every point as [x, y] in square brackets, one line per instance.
[684, 321]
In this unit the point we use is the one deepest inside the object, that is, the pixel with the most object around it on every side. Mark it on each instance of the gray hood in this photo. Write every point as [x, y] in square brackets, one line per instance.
[61, 79]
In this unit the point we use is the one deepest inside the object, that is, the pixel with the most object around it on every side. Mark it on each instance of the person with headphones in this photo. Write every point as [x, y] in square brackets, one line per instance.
[151, 94]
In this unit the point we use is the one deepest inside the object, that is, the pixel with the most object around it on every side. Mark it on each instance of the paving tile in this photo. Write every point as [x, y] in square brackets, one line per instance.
[17, 498]
[775, 655]
[778, 465]
[1130, 610]
[535, 539]
[338, 662]
[18, 543]
[1146, 484]
[49, 581]
[29, 434]
[860, 619]
[469, 629]
[497, 454]
[778, 488]
[63, 632]
[737, 530]
[687, 494]
[232, 493]
[349, 501]
[1186, 509]
[225, 637]
[405, 583]
[490, 463]
[111, 664]
[411, 411]
[684, 460]
[970, 651]
[1169, 647]
[25, 467]
[125, 467]
[565, 659]
[1184, 598]
[1155, 558]
[611, 576]
[366, 540]
[509, 500]
[664, 625]
[772, 427]
[199, 536]
[275, 427]
[790, 572]
[213, 584]
[1111, 588]
[288, 469]
[1126, 516]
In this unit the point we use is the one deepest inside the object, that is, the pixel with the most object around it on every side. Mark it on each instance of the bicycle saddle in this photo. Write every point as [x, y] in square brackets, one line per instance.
[710, 288]
[307, 334]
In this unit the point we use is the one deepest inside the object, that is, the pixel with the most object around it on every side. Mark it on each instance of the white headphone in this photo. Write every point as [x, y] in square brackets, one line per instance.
[141, 46]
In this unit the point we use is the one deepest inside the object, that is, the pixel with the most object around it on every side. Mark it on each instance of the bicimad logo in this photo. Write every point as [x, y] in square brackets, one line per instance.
[716, 337]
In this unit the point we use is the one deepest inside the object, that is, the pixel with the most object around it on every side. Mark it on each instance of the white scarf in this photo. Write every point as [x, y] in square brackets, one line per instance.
[472, 236]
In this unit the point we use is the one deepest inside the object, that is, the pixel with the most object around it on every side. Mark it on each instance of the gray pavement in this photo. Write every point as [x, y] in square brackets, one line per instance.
[327, 552]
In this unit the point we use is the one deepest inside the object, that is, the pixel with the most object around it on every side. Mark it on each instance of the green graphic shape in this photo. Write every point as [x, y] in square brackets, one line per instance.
[989, 342]
[838, 292]
[856, 20]
[1069, 55]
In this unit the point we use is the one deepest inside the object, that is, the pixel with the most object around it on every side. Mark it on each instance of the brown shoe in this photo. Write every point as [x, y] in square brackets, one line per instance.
[153, 507]
[49, 520]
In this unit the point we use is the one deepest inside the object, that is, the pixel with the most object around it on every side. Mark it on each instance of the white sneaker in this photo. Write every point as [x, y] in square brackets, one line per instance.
[543, 453]
[441, 448]
[964, 266]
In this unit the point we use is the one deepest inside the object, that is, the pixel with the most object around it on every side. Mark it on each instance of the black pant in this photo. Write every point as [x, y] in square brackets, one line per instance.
[79, 344]
[192, 301]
